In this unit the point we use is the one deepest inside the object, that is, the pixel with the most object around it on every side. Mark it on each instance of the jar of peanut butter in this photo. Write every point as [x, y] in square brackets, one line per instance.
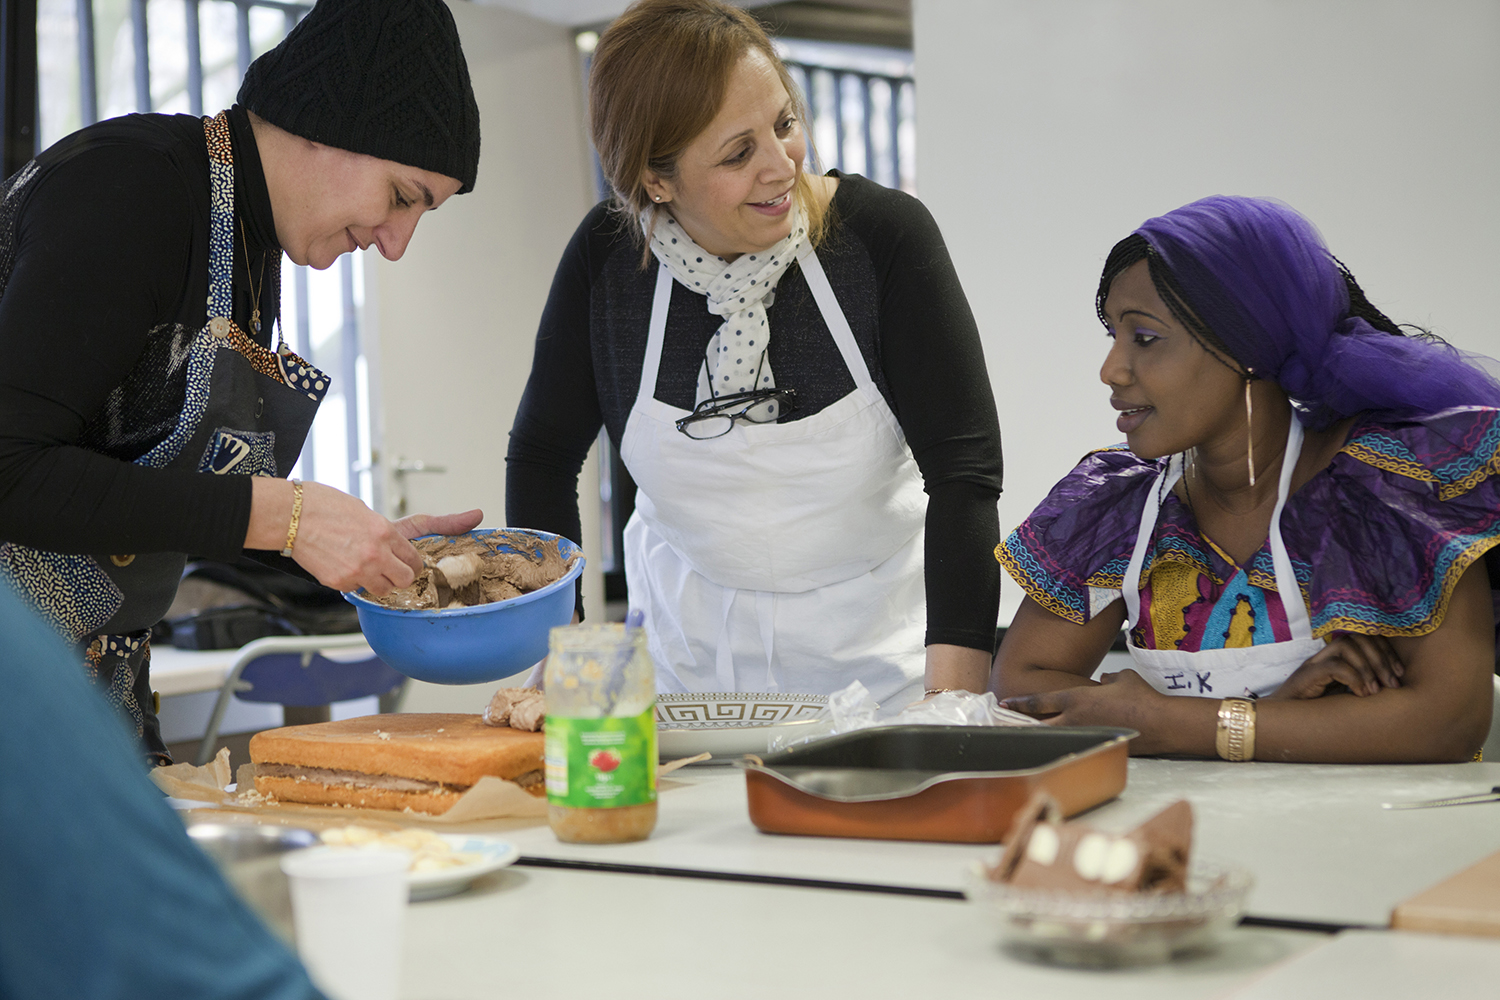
[601, 734]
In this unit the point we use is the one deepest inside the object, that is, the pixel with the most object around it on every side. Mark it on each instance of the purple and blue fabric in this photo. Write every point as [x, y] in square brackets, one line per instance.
[1259, 275]
[1377, 540]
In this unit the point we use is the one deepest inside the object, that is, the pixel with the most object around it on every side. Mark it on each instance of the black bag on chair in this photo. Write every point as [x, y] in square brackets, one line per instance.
[223, 605]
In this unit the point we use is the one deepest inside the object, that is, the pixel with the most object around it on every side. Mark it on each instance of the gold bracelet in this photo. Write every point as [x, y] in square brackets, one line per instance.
[934, 691]
[291, 531]
[1235, 737]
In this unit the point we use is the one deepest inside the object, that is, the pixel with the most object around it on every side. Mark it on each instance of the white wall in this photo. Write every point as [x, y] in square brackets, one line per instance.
[450, 326]
[1049, 130]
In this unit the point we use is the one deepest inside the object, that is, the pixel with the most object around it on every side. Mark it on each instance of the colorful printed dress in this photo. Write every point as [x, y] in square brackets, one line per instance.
[1377, 540]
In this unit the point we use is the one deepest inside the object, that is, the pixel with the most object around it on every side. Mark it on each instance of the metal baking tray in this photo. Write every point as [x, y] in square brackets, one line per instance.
[958, 784]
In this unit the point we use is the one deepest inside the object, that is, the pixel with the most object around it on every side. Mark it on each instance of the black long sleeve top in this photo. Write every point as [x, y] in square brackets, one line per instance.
[108, 279]
[896, 284]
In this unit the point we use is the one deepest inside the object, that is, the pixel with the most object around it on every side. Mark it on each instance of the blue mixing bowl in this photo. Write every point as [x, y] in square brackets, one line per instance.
[472, 645]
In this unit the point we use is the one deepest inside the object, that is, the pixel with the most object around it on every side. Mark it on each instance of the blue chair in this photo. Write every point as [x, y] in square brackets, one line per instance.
[290, 670]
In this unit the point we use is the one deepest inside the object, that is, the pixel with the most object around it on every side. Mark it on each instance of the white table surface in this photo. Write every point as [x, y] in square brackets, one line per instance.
[1315, 836]
[1383, 965]
[181, 671]
[546, 933]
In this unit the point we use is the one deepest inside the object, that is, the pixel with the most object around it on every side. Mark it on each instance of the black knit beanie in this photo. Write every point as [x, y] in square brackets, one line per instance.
[382, 77]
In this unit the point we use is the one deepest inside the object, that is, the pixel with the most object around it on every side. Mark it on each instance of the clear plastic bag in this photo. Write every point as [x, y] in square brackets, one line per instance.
[961, 708]
[853, 708]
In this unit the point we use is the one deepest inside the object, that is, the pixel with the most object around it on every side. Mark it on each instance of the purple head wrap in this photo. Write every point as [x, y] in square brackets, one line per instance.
[1258, 275]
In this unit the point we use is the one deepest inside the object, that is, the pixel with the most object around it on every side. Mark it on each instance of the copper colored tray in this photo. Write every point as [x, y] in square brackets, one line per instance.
[947, 783]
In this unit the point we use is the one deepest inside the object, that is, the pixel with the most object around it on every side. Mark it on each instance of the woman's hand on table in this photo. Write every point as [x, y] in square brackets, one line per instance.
[340, 541]
[1365, 664]
[1119, 699]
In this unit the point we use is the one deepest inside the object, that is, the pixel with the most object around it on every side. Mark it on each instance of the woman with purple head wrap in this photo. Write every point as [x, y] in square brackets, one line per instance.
[1288, 533]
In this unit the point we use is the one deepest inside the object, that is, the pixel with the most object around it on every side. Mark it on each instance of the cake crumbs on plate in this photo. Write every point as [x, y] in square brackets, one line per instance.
[429, 851]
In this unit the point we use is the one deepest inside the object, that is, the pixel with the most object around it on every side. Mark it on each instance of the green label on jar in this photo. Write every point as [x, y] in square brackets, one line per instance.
[599, 763]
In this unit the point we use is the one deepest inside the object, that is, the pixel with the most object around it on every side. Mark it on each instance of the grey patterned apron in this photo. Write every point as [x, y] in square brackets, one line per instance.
[246, 411]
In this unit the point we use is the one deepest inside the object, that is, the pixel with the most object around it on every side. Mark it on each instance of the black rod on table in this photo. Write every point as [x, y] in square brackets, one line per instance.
[714, 876]
[527, 861]
[1311, 926]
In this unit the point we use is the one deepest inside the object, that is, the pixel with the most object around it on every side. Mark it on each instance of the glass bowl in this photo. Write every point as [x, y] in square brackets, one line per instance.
[1114, 929]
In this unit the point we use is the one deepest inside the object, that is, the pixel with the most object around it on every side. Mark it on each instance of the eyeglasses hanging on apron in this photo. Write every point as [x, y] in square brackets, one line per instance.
[246, 411]
[1246, 671]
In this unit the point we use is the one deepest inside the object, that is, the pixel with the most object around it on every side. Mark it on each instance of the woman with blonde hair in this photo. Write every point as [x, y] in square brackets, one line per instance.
[786, 363]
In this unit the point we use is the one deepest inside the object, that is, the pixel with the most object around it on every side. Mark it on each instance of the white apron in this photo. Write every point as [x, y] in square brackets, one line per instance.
[1225, 673]
[778, 557]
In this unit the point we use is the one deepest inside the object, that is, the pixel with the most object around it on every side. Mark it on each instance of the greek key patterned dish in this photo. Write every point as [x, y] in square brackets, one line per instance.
[715, 710]
[727, 723]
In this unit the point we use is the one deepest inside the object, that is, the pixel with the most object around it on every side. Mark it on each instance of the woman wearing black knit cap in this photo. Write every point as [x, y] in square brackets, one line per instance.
[146, 409]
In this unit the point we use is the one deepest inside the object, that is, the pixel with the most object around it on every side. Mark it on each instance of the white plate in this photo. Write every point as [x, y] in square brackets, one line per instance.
[493, 854]
[490, 854]
[727, 724]
[673, 744]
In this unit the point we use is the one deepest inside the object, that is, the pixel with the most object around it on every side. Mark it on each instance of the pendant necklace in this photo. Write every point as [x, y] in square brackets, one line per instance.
[250, 281]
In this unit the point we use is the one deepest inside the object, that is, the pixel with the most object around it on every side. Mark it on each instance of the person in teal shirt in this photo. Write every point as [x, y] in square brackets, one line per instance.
[102, 893]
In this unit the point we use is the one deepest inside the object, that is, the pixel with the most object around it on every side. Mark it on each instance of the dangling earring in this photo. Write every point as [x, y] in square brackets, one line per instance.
[1249, 432]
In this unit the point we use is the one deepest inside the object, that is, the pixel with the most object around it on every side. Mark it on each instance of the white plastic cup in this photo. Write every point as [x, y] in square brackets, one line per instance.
[348, 907]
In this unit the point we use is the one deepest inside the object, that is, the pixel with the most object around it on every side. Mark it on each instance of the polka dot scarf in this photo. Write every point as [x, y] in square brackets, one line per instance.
[740, 291]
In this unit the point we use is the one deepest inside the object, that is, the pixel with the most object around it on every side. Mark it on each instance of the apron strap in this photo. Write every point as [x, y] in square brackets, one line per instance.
[1130, 586]
[833, 315]
[1287, 587]
[765, 616]
[1297, 620]
[220, 216]
[656, 334]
